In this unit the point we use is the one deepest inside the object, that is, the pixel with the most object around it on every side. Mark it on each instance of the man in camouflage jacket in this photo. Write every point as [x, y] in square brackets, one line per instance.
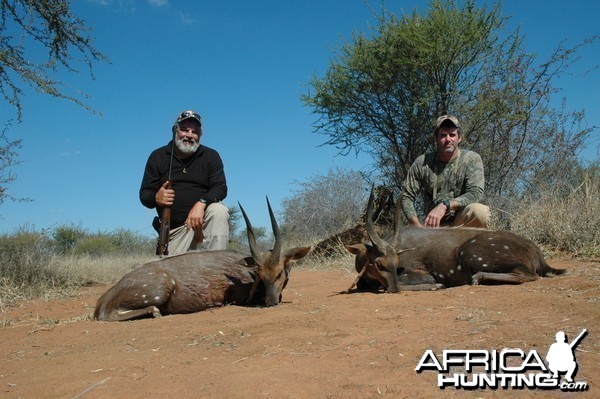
[450, 182]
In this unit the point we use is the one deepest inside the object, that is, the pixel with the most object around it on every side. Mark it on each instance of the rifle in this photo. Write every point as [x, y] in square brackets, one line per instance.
[162, 247]
[575, 342]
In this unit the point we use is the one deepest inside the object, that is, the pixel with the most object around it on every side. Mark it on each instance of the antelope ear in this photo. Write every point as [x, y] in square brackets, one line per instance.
[296, 253]
[247, 261]
[357, 249]
[405, 250]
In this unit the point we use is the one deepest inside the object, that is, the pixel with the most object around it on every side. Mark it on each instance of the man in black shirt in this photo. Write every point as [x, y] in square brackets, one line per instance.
[194, 192]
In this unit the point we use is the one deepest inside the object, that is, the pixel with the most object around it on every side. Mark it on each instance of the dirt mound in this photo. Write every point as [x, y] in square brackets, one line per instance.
[317, 344]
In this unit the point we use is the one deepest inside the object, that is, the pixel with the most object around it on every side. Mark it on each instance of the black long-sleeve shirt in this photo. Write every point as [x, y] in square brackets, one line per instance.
[199, 176]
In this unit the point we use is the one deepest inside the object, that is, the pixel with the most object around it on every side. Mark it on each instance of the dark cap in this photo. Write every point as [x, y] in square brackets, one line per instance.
[188, 115]
[440, 121]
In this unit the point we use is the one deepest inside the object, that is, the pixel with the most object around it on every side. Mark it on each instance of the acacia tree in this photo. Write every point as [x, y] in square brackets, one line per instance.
[381, 94]
[8, 154]
[64, 40]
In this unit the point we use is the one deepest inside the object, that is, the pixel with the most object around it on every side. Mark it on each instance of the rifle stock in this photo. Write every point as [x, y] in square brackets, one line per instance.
[165, 228]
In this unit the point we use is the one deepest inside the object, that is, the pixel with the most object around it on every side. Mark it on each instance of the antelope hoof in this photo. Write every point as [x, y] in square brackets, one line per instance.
[155, 312]
[348, 291]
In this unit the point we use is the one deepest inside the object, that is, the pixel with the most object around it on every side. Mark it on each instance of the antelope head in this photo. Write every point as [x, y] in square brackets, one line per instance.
[273, 266]
[379, 261]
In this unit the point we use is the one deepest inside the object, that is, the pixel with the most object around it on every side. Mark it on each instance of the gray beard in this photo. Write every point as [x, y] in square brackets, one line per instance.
[185, 148]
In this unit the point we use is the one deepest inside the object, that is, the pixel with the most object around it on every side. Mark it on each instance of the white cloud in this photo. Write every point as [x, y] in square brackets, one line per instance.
[129, 5]
[186, 19]
[100, 2]
[158, 3]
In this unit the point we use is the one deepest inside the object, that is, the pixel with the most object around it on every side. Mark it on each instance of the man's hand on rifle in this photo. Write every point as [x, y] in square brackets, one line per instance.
[165, 195]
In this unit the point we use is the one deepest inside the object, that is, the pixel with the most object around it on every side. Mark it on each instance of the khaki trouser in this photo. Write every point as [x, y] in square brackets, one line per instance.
[213, 236]
[472, 215]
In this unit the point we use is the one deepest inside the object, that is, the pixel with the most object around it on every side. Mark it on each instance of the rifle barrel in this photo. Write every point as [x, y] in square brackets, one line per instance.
[165, 227]
[575, 342]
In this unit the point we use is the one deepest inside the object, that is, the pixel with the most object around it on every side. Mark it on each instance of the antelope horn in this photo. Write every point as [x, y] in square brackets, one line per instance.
[375, 239]
[251, 237]
[276, 252]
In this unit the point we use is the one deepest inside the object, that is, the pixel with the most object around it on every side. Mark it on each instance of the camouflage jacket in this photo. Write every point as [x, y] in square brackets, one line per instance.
[460, 179]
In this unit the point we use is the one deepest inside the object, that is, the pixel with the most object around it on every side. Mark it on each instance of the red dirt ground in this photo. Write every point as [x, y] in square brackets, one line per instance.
[317, 344]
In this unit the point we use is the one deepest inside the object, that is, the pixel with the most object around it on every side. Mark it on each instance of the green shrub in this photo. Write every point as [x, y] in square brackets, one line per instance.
[32, 264]
[26, 268]
[75, 240]
[66, 237]
[24, 257]
[128, 242]
[95, 246]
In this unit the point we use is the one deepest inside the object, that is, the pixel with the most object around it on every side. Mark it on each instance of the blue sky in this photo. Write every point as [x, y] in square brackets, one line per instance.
[243, 65]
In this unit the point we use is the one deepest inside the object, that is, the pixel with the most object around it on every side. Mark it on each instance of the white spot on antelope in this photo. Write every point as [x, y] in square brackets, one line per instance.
[480, 259]
[143, 295]
[451, 271]
[156, 298]
[490, 238]
[145, 301]
[459, 267]
[506, 247]
[145, 285]
[473, 240]
[485, 265]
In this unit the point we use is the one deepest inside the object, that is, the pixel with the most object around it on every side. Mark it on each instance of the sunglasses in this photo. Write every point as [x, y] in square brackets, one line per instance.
[187, 115]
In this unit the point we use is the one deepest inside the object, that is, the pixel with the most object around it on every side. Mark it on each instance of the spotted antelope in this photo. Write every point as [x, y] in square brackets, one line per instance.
[417, 258]
[197, 281]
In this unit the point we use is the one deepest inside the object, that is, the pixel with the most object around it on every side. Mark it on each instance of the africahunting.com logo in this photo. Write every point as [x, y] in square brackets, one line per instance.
[508, 368]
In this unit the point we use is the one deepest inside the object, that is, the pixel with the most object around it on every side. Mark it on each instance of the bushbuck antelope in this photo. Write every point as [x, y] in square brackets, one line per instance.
[435, 258]
[196, 281]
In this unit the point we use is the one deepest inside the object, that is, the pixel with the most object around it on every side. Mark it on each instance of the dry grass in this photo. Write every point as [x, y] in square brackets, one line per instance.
[340, 259]
[563, 222]
[62, 276]
[107, 269]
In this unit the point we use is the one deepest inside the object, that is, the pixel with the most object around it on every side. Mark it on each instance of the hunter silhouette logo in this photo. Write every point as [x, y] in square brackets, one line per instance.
[561, 357]
[510, 368]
